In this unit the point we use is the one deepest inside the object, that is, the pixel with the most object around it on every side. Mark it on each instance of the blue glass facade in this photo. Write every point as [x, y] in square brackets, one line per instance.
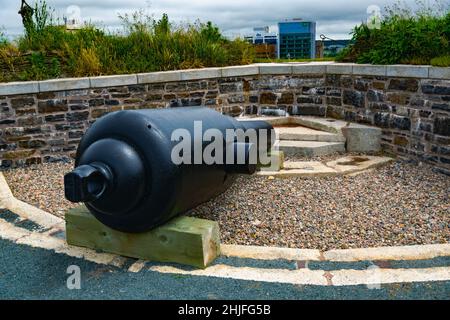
[297, 40]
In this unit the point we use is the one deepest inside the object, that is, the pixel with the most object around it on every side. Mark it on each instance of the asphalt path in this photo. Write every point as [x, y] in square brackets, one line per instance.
[33, 273]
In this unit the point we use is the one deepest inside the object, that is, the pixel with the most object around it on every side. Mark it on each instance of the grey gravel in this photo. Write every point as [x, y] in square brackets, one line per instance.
[41, 186]
[400, 204]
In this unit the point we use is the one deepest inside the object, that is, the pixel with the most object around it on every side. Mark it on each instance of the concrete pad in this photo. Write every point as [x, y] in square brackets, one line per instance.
[310, 148]
[38, 240]
[377, 276]
[137, 266]
[11, 233]
[89, 255]
[301, 277]
[269, 253]
[362, 138]
[307, 134]
[416, 252]
[352, 164]
[302, 169]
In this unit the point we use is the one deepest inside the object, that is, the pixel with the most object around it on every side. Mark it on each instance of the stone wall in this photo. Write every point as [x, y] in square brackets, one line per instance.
[44, 121]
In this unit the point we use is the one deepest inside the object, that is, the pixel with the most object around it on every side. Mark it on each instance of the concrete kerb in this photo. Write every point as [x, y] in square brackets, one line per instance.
[24, 210]
[44, 240]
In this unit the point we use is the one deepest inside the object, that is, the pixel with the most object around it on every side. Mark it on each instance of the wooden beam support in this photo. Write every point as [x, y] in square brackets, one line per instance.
[183, 240]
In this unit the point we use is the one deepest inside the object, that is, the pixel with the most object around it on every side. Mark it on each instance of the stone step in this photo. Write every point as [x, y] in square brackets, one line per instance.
[310, 148]
[307, 134]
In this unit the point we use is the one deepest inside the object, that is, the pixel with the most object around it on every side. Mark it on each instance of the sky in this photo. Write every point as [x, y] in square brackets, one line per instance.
[335, 18]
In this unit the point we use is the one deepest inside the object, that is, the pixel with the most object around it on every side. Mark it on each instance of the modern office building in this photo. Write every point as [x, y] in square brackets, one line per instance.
[265, 42]
[297, 39]
[262, 35]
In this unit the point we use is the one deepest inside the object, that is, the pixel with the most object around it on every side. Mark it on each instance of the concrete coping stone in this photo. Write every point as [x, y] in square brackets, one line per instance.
[113, 81]
[407, 71]
[294, 68]
[157, 77]
[199, 74]
[369, 70]
[275, 68]
[64, 84]
[239, 71]
[13, 88]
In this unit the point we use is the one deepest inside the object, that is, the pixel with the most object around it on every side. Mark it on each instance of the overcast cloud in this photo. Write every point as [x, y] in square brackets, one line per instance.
[335, 18]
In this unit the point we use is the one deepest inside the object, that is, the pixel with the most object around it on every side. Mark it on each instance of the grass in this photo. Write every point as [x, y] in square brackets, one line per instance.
[404, 36]
[443, 61]
[48, 50]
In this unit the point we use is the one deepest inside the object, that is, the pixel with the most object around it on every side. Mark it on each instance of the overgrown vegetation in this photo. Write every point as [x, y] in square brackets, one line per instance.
[48, 50]
[420, 36]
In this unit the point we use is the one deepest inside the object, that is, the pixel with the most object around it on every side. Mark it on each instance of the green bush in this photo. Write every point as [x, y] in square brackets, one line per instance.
[404, 36]
[144, 45]
[443, 61]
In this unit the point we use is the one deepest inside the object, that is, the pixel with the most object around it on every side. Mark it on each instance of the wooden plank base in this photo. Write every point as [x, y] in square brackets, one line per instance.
[183, 240]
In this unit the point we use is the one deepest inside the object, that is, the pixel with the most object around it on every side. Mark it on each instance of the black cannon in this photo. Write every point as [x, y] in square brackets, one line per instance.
[125, 173]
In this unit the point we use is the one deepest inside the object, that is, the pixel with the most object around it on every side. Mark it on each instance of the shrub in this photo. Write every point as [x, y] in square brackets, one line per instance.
[143, 45]
[405, 36]
[443, 61]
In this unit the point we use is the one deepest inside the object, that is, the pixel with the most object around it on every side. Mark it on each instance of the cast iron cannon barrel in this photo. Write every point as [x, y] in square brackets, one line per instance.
[125, 173]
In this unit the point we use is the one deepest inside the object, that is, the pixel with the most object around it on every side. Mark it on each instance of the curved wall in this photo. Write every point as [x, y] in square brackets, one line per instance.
[43, 121]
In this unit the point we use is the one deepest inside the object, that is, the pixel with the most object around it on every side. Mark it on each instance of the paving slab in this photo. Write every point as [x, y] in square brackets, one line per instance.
[310, 148]
[301, 133]
[302, 169]
[352, 164]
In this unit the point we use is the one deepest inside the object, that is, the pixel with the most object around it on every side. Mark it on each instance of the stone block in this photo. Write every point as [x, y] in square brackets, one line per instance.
[362, 138]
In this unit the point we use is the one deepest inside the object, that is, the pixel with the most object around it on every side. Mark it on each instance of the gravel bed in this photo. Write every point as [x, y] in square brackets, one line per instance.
[400, 204]
[41, 186]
